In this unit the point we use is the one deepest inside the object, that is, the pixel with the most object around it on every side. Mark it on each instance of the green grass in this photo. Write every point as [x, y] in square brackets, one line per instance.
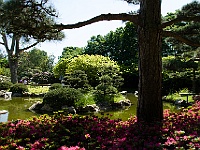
[38, 89]
[89, 99]
[176, 96]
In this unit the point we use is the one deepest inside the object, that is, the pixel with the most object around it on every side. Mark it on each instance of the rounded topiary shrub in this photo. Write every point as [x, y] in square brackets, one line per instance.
[62, 96]
[5, 85]
[55, 86]
[18, 88]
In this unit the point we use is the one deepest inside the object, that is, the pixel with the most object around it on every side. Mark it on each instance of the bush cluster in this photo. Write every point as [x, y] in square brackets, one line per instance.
[5, 85]
[62, 96]
[18, 88]
[105, 91]
[55, 86]
[177, 131]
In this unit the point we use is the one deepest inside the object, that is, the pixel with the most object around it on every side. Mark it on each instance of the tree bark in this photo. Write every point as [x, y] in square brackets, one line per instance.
[13, 64]
[150, 107]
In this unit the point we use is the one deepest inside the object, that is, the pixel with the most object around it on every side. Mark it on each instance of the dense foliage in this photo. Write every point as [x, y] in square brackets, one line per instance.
[18, 88]
[105, 91]
[94, 67]
[44, 78]
[62, 96]
[76, 79]
[70, 52]
[32, 62]
[121, 46]
[188, 30]
[178, 131]
[55, 86]
[5, 85]
[178, 73]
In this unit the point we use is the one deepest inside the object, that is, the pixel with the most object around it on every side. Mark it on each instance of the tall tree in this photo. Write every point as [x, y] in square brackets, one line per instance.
[70, 52]
[34, 61]
[24, 24]
[150, 33]
[121, 46]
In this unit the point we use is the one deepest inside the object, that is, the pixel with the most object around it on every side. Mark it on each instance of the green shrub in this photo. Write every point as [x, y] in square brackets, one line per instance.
[62, 96]
[105, 91]
[77, 79]
[18, 88]
[5, 85]
[55, 86]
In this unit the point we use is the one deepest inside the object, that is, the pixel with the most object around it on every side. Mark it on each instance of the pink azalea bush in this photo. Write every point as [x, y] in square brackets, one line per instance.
[73, 132]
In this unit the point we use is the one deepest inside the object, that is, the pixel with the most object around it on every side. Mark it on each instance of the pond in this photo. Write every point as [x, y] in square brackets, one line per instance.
[17, 108]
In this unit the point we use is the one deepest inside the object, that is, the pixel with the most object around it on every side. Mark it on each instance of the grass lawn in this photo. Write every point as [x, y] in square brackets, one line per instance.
[38, 89]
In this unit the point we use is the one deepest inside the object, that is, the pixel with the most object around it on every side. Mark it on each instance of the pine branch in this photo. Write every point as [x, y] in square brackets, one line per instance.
[102, 17]
[34, 44]
[179, 19]
[180, 38]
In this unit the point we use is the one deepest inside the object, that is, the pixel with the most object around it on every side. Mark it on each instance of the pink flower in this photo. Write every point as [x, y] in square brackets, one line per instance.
[87, 136]
[70, 148]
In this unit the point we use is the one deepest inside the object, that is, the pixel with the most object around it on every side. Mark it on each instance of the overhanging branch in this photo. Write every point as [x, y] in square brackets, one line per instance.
[180, 38]
[102, 17]
[179, 19]
[34, 44]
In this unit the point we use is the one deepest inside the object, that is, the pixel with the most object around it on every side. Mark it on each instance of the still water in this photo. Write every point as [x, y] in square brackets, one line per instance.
[17, 108]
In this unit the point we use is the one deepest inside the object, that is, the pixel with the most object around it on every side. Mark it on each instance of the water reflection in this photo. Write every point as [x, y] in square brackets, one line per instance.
[18, 108]
[131, 111]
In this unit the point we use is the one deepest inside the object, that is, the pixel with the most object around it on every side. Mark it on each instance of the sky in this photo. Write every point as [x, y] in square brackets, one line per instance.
[73, 11]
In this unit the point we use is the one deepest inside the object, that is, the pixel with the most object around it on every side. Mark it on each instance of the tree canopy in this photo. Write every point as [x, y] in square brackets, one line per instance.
[94, 67]
[23, 24]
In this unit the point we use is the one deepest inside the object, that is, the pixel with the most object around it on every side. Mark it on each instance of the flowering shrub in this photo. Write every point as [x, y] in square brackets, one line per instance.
[73, 132]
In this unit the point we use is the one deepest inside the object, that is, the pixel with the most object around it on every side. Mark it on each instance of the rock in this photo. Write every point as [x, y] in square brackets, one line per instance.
[46, 107]
[36, 106]
[8, 95]
[17, 95]
[70, 109]
[125, 102]
[3, 111]
[116, 105]
[123, 92]
[92, 108]
[136, 93]
[121, 104]
[2, 93]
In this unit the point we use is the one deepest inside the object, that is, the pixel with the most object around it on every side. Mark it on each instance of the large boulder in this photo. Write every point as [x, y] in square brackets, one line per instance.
[46, 107]
[125, 102]
[36, 106]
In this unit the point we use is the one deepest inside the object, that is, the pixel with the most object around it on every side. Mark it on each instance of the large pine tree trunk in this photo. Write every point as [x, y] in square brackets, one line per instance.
[13, 64]
[150, 107]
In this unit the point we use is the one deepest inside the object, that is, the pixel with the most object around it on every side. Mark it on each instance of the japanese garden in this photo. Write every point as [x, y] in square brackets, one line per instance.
[137, 87]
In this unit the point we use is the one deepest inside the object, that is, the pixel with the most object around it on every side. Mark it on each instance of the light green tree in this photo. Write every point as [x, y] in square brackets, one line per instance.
[94, 67]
